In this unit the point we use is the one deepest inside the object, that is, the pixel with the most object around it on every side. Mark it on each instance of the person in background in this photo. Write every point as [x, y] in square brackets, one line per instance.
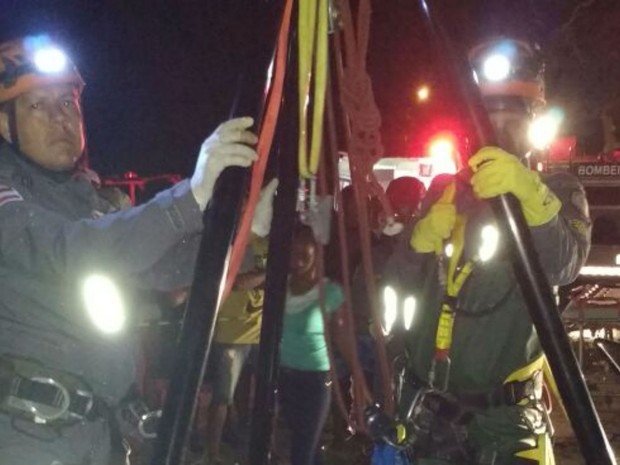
[237, 334]
[405, 195]
[305, 382]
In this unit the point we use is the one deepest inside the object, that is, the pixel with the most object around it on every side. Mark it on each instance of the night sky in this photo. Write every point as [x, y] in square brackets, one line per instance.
[160, 74]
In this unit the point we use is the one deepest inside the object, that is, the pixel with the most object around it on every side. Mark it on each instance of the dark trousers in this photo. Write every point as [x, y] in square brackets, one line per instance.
[304, 398]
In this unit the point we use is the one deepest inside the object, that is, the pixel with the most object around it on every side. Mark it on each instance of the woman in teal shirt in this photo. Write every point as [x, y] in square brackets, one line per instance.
[305, 384]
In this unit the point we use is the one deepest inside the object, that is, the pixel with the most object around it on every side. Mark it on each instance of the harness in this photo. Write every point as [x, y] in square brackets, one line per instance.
[456, 277]
[518, 385]
[436, 420]
[32, 392]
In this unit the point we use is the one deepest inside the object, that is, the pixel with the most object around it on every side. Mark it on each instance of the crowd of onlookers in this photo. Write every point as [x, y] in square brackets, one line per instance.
[304, 384]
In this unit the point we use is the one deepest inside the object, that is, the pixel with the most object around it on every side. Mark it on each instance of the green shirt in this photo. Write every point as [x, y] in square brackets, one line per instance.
[303, 335]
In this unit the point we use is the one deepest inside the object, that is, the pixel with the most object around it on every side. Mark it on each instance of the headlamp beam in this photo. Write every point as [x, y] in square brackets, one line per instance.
[50, 60]
[496, 67]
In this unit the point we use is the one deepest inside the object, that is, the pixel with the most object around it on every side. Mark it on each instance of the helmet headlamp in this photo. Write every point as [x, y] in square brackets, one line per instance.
[50, 60]
[508, 67]
[496, 67]
[32, 62]
[506, 60]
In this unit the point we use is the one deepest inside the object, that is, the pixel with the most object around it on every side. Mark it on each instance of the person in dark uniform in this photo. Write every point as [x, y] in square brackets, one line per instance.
[474, 359]
[68, 261]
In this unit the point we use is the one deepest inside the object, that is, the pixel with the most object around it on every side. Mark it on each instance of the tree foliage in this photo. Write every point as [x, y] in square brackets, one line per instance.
[583, 57]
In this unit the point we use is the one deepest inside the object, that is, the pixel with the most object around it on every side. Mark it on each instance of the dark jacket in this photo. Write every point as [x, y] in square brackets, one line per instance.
[493, 333]
[55, 230]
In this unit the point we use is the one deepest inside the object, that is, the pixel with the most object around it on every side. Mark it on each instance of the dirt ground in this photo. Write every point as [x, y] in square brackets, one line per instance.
[604, 385]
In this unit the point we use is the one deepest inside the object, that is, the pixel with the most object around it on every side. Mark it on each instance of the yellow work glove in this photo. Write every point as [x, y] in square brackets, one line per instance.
[497, 172]
[430, 232]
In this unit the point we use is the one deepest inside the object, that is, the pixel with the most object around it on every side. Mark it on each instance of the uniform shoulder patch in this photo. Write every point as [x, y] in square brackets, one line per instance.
[8, 195]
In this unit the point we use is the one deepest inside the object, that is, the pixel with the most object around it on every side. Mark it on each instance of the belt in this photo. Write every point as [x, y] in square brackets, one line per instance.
[45, 400]
[511, 393]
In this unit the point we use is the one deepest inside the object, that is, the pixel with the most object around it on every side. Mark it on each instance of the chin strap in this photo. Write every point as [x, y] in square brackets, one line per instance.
[10, 111]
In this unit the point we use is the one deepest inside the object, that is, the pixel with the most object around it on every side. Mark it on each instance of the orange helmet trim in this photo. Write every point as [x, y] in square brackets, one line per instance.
[18, 73]
[528, 90]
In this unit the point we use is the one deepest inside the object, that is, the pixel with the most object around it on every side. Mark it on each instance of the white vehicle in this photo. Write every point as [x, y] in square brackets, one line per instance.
[440, 158]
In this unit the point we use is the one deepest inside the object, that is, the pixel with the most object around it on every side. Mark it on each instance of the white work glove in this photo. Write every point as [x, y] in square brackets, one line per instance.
[228, 146]
[261, 222]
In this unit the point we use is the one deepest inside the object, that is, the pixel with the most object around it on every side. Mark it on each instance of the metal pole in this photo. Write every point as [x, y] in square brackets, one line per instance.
[580, 350]
[600, 343]
[277, 268]
[535, 288]
[259, 23]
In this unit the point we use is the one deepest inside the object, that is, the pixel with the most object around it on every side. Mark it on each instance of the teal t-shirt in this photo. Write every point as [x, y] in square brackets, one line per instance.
[303, 344]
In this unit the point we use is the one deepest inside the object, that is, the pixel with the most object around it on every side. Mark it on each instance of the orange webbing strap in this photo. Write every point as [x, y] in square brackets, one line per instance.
[267, 131]
[364, 146]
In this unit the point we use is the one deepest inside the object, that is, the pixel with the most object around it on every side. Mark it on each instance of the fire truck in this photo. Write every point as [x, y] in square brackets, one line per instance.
[591, 305]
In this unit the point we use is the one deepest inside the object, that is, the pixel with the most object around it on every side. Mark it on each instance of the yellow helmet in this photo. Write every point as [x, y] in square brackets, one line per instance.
[509, 68]
[33, 62]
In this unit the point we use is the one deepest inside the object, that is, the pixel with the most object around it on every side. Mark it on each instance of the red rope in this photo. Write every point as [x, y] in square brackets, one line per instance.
[364, 144]
[360, 394]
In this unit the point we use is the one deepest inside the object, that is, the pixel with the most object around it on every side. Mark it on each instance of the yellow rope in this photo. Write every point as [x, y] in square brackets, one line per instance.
[313, 59]
[455, 281]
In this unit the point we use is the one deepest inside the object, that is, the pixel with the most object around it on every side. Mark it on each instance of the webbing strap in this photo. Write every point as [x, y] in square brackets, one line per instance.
[456, 278]
[266, 135]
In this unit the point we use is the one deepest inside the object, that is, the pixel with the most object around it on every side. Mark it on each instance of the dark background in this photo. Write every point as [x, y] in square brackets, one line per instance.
[161, 74]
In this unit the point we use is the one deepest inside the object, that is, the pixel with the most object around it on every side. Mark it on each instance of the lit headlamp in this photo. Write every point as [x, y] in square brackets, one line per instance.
[508, 67]
[50, 60]
[496, 67]
[47, 60]
[506, 60]
[33, 62]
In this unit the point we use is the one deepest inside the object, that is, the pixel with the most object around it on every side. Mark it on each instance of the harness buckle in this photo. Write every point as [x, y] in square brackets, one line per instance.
[149, 423]
[84, 401]
[59, 396]
[511, 397]
[137, 417]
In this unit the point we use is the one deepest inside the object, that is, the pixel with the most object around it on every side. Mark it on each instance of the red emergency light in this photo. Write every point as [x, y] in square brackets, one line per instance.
[443, 153]
[563, 149]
